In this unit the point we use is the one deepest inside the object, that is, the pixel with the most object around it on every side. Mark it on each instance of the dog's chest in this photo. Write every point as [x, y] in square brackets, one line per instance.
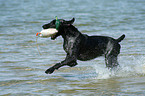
[69, 44]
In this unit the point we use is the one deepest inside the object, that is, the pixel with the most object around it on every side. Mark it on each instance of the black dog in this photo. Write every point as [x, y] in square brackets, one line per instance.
[82, 47]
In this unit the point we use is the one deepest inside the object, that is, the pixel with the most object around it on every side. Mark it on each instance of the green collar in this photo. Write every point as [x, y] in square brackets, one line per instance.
[57, 23]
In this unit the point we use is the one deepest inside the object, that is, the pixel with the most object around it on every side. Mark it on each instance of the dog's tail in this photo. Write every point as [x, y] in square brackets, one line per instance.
[120, 38]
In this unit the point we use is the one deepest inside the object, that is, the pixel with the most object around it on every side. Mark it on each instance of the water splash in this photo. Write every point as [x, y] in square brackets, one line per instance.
[135, 67]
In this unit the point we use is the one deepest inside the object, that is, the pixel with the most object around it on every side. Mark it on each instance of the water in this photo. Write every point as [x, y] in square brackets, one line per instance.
[22, 68]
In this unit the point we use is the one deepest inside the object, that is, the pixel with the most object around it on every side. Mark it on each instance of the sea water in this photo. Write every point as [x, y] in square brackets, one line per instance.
[22, 69]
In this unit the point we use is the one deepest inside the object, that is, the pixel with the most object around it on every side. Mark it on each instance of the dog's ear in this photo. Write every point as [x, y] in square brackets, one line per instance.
[71, 21]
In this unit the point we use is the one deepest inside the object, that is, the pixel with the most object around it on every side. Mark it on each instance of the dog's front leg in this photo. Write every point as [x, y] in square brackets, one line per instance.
[52, 69]
[70, 61]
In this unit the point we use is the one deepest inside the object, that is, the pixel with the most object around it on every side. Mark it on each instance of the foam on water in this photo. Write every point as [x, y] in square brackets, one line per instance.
[135, 67]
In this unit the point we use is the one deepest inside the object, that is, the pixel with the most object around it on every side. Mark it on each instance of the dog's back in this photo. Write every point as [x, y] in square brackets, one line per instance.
[94, 46]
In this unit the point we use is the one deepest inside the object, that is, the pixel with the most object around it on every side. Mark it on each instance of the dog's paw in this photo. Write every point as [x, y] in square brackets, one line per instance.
[49, 71]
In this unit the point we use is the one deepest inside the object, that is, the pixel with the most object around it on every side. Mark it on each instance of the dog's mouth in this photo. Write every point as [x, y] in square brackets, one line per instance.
[53, 37]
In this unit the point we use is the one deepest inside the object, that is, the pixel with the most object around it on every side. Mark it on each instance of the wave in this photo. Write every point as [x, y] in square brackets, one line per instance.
[127, 68]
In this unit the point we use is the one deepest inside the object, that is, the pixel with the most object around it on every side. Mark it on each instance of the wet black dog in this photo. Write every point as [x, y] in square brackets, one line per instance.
[82, 47]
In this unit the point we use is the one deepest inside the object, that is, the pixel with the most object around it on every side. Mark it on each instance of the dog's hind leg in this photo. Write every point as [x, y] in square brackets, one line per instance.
[111, 61]
[111, 56]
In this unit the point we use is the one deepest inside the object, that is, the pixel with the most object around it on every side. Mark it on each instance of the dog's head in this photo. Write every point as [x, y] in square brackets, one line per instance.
[59, 26]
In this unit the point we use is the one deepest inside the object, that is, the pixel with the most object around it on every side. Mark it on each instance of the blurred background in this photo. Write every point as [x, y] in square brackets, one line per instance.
[22, 67]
